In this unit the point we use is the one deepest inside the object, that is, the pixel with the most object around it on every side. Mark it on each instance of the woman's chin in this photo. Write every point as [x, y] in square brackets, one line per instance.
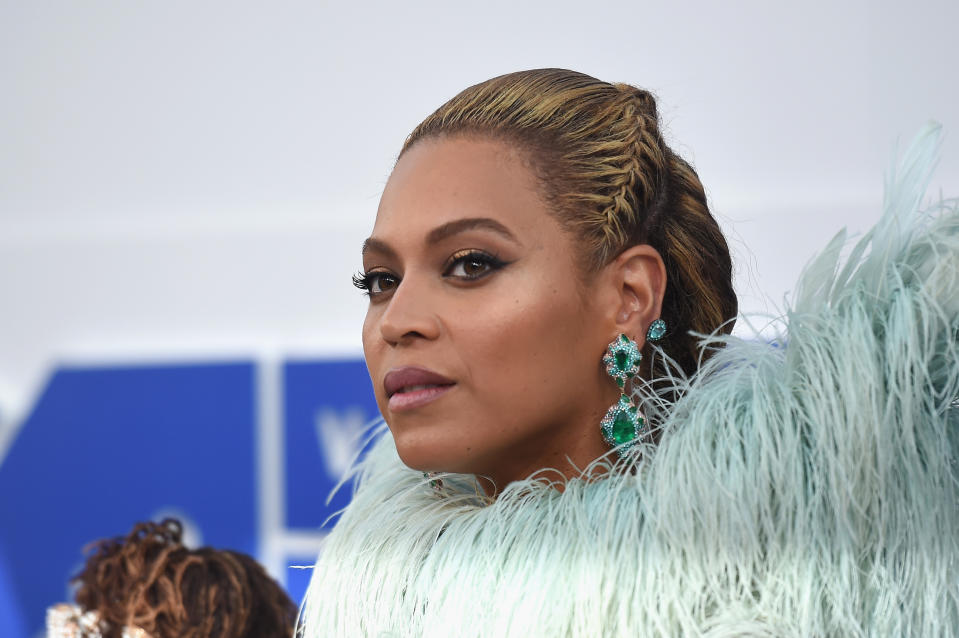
[431, 457]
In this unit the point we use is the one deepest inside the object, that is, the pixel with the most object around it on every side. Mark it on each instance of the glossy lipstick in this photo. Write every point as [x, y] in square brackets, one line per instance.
[411, 387]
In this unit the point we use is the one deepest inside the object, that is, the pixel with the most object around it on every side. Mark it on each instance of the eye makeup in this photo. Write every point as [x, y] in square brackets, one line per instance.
[472, 264]
[464, 266]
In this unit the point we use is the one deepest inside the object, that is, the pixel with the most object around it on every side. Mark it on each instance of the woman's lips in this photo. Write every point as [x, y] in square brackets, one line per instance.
[411, 387]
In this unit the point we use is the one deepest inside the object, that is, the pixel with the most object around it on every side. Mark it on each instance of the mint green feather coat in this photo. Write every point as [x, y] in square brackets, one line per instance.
[807, 489]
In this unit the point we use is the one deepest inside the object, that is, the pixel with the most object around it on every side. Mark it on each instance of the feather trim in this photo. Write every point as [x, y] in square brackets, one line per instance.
[804, 489]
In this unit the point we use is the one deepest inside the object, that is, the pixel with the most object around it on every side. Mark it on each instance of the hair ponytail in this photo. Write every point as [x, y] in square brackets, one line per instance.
[699, 294]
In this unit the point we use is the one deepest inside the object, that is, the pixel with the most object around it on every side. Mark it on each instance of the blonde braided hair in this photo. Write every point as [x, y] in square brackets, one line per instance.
[609, 177]
[632, 169]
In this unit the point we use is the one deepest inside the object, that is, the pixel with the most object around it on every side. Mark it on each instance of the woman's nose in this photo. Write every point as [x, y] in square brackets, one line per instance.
[410, 313]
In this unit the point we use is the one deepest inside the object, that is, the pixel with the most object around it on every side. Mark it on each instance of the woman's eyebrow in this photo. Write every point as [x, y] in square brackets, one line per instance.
[470, 223]
[440, 233]
[372, 243]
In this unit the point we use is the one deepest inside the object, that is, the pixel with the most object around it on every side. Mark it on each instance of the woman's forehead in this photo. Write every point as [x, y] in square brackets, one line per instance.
[442, 182]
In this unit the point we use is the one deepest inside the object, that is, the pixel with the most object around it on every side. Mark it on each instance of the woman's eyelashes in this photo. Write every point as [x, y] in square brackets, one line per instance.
[375, 282]
[464, 266]
[471, 264]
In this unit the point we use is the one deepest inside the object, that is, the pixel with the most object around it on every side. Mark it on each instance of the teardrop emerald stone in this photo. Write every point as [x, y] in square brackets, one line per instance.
[622, 359]
[624, 427]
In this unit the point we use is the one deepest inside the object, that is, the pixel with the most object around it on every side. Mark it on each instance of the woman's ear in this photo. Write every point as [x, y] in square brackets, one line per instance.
[640, 279]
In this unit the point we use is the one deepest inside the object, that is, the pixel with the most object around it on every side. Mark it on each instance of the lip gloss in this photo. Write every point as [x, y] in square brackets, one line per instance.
[402, 401]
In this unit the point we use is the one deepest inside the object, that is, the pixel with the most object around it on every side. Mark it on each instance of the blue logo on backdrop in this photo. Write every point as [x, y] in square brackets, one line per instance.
[244, 453]
[327, 406]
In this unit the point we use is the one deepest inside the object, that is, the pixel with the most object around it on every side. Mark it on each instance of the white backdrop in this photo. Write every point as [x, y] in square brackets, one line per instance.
[188, 179]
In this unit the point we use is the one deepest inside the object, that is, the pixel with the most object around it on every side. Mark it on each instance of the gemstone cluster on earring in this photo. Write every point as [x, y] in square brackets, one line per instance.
[623, 423]
[622, 360]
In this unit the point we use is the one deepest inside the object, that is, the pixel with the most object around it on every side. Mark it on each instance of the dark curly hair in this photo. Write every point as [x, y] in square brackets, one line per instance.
[149, 580]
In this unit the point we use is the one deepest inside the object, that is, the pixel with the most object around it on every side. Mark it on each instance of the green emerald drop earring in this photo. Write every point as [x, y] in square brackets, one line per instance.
[623, 422]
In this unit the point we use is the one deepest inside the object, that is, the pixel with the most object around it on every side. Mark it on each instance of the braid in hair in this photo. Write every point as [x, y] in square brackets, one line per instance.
[636, 169]
[610, 179]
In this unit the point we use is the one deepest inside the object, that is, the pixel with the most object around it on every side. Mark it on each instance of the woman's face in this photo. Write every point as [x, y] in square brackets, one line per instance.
[482, 338]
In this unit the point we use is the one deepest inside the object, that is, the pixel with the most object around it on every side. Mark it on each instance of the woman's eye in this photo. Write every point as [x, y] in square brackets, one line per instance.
[472, 264]
[375, 282]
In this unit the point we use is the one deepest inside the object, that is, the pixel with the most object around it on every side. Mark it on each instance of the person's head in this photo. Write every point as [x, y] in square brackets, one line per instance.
[529, 221]
[150, 581]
